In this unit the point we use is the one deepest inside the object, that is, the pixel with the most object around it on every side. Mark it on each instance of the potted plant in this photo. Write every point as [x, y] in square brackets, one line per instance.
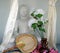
[38, 22]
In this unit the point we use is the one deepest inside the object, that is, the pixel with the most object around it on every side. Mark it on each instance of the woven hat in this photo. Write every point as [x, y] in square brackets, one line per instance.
[26, 42]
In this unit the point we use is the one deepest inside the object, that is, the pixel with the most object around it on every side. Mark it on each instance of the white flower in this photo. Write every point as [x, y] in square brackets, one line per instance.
[31, 21]
[39, 11]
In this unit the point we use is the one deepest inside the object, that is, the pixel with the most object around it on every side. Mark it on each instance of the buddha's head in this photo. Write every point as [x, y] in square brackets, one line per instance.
[23, 11]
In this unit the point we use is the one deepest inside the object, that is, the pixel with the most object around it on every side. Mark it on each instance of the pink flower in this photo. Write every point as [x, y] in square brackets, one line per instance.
[53, 51]
[39, 46]
[35, 51]
[45, 51]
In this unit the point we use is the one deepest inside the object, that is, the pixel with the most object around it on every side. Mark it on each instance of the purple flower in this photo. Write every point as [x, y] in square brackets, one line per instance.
[39, 46]
[53, 51]
[35, 51]
[45, 51]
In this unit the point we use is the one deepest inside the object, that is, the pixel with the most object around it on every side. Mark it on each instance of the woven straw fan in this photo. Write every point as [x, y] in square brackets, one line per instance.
[26, 43]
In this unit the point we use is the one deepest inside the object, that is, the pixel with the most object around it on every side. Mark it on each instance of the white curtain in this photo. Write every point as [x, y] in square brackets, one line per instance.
[51, 35]
[10, 25]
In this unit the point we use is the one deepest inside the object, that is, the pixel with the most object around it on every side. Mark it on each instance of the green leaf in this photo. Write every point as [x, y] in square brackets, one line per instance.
[34, 25]
[35, 17]
[40, 23]
[46, 22]
[42, 29]
[39, 15]
[32, 14]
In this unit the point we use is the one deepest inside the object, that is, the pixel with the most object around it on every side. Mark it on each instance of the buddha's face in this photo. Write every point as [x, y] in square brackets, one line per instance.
[23, 12]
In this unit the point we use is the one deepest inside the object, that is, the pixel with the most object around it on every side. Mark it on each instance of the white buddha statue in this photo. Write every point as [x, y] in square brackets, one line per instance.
[22, 21]
[21, 25]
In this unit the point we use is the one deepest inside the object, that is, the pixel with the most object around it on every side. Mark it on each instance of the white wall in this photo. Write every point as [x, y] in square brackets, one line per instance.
[4, 11]
[58, 21]
[5, 8]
